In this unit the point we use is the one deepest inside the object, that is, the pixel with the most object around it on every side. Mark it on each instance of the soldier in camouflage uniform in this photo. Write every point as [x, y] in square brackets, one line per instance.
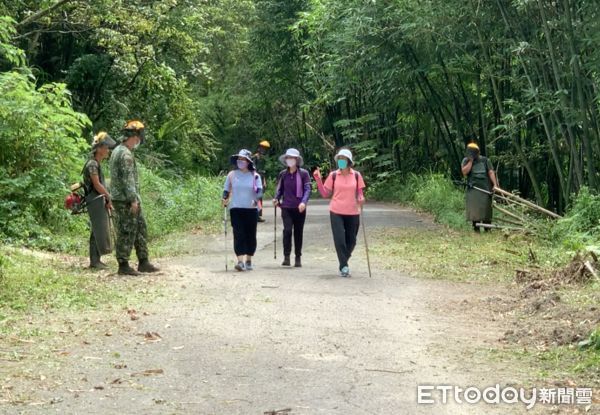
[94, 184]
[125, 191]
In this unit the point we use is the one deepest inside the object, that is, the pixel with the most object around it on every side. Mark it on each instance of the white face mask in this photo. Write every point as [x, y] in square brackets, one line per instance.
[291, 162]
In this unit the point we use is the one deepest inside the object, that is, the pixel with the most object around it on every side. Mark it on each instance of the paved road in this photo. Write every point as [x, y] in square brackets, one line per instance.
[274, 338]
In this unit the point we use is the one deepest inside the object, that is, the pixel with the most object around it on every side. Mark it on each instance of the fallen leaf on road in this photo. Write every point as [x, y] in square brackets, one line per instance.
[133, 314]
[279, 412]
[149, 372]
[152, 336]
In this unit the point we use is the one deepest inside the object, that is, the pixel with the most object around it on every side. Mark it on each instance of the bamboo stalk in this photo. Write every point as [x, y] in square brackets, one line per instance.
[527, 202]
[511, 201]
[591, 269]
[509, 213]
[512, 222]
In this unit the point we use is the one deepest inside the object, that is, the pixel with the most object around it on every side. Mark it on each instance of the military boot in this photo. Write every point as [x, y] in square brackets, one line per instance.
[125, 269]
[146, 266]
[98, 265]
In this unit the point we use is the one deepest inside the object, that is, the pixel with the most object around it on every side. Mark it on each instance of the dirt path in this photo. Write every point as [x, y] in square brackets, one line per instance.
[272, 339]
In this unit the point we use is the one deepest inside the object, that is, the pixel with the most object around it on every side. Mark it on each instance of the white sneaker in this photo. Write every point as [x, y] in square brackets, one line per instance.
[345, 272]
[240, 266]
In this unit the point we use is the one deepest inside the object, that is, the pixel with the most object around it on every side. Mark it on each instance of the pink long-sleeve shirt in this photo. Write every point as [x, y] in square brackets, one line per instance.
[346, 192]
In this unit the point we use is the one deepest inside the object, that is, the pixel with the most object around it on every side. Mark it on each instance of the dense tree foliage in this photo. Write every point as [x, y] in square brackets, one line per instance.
[405, 83]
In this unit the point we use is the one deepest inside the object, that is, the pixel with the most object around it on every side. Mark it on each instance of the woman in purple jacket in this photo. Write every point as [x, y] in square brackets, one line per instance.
[293, 185]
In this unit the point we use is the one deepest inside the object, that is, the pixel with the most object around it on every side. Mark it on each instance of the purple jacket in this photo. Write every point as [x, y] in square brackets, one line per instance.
[295, 188]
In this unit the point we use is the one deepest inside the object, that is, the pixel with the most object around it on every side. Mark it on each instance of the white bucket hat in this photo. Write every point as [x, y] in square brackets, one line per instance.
[345, 153]
[292, 152]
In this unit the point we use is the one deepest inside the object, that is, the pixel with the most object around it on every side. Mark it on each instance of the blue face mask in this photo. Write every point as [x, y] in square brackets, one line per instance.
[342, 164]
[242, 164]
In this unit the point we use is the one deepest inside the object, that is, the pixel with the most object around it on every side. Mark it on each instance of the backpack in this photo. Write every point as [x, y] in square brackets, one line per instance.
[334, 175]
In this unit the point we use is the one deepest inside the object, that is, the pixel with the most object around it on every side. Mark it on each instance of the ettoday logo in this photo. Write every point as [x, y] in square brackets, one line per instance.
[495, 395]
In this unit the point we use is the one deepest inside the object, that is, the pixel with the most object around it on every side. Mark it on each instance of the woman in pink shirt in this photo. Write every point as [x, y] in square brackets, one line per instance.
[345, 187]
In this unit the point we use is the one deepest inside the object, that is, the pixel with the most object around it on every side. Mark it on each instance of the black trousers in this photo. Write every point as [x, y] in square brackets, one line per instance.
[244, 223]
[293, 223]
[345, 229]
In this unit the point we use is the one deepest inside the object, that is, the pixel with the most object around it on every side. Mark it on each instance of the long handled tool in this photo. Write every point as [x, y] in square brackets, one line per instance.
[112, 230]
[526, 202]
[225, 243]
[275, 232]
[364, 228]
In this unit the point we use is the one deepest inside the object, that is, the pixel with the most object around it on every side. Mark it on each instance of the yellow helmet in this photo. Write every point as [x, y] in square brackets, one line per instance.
[264, 144]
[134, 125]
[103, 139]
[133, 128]
[473, 146]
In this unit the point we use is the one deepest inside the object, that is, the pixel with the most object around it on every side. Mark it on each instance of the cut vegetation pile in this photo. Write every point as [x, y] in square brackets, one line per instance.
[553, 318]
[581, 270]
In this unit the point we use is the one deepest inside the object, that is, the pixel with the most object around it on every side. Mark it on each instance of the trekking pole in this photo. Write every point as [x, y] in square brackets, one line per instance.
[275, 232]
[366, 243]
[225, 232]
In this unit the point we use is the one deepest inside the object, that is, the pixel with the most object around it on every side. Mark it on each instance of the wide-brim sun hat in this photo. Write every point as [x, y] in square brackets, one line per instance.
[291, 152]
[345, 153]
[246, 154]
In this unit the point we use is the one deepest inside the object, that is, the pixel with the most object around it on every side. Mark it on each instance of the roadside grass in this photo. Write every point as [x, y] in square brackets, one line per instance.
[566, 364]
[444, 253]
[35, 283]
[463, 256]
[36, 287]
[30, 283]
[433, 193]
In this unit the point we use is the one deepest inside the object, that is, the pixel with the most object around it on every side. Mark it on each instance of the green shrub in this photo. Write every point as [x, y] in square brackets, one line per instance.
[40, 141]
[593, 342]
[580, 227]
[438, 196]
[179, 204]
[432, 193]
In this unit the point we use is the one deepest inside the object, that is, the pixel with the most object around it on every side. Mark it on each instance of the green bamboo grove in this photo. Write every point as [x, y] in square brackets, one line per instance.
[405, 83]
